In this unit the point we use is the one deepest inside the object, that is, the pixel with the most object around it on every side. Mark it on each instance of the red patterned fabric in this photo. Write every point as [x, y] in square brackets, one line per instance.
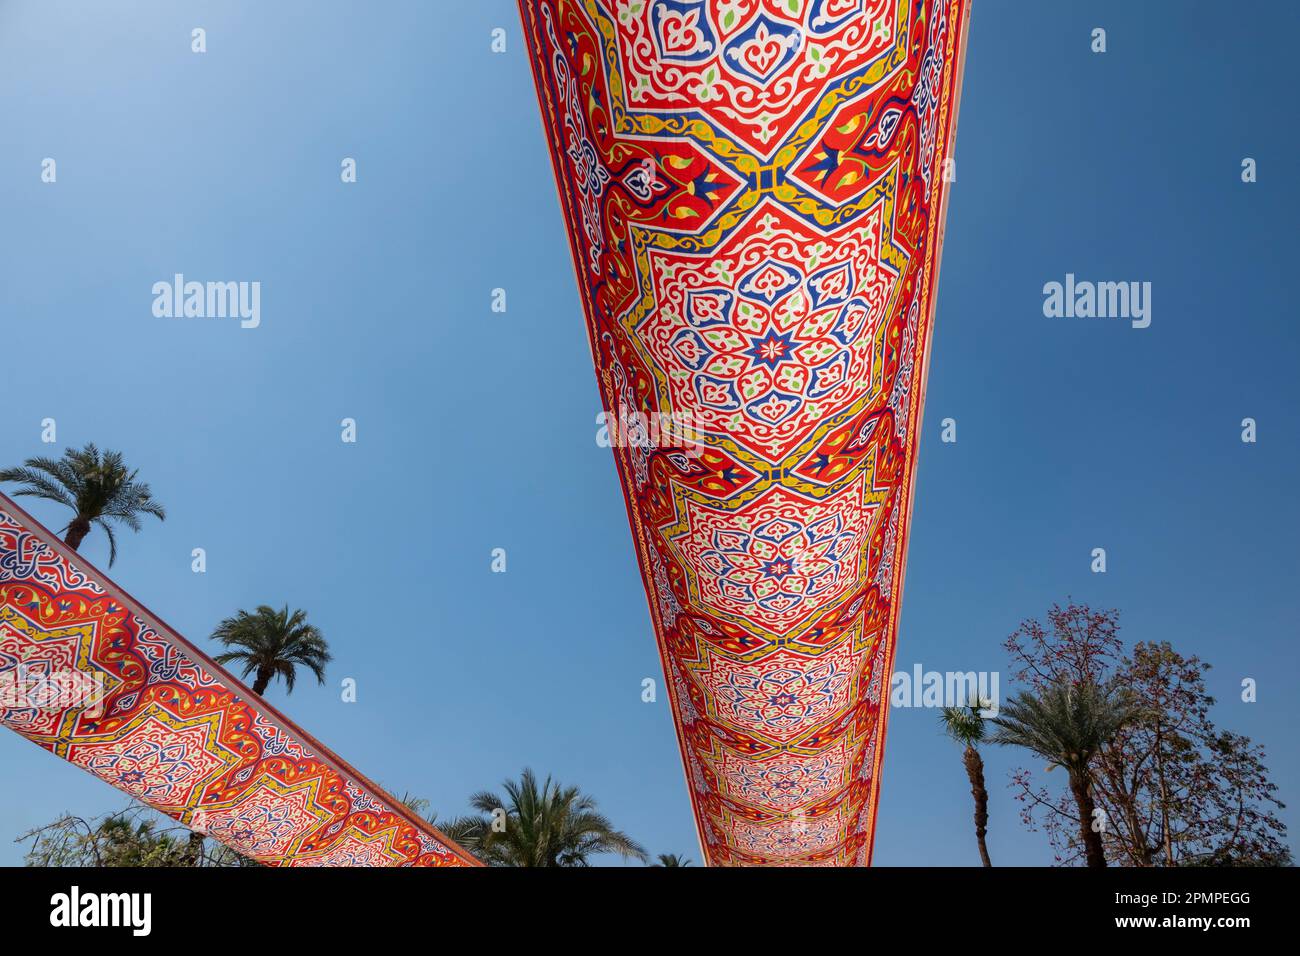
[94, 678]
[754, 193]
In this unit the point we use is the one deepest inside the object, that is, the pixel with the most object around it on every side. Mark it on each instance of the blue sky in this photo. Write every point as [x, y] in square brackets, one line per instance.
[476, 429]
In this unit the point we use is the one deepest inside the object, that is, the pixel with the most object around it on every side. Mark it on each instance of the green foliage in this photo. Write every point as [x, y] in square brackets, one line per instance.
[1065, 723]
[134, 837]
[963, 724]
[538, 825]
[1175, 790]
[128, 838]
[98, 488]
[270, 643]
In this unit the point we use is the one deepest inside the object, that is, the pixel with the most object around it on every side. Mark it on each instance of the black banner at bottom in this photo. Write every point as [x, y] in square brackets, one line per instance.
[197, 907]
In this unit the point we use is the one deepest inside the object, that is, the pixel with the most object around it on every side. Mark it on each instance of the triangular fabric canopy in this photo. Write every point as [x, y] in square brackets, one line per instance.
[90, 675]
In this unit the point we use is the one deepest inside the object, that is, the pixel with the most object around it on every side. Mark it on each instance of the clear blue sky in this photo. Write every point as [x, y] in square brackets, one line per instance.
[476, 430]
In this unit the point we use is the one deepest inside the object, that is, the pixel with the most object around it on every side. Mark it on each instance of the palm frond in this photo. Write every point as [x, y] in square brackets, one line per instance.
[1065, 723]
[963, 724]
[37, 485]
[112, 540]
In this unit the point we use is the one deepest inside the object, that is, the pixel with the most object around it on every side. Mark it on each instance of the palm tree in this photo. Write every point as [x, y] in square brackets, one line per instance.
[1066, 725]
[671, 859]
[966, 726]
[98, 488]
[270, 644]
[468, 832]
[538, 825]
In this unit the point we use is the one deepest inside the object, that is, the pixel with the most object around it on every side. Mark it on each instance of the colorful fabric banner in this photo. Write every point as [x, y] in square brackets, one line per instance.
[90, 675]
[754, 193]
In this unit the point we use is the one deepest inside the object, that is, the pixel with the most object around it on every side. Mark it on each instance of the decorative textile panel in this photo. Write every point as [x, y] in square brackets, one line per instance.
[754, 193]
[94, 678]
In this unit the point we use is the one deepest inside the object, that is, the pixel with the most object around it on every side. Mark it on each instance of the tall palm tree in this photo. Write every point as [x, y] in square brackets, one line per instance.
[536, 824]
[671, 859]
[270, 644]
[966, 726]
[1066, 725]
[98, 488]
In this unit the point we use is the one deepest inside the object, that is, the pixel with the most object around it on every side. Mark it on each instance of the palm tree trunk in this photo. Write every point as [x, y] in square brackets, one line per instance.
[975, 770]
[264, 675]
[77, 532]
[1095, 853]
